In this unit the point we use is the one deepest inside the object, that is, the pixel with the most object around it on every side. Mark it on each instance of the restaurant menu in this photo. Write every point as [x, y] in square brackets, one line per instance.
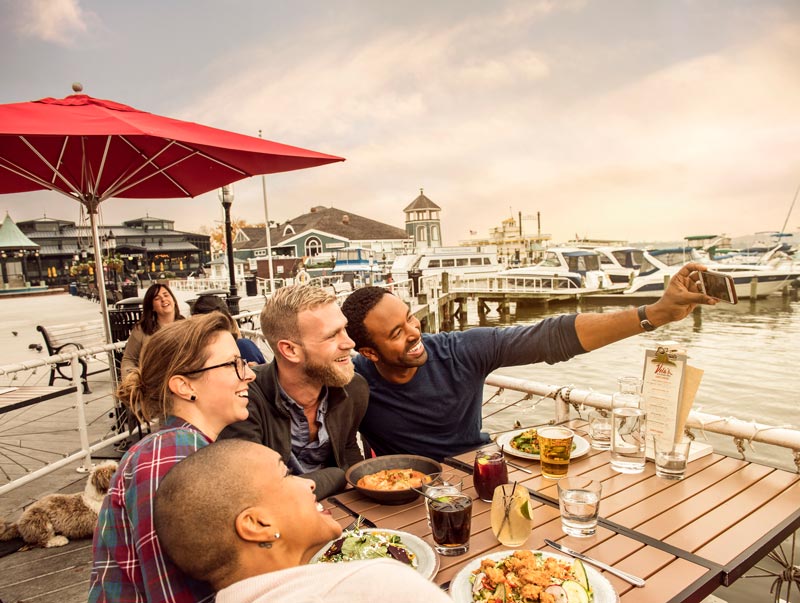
[668, 389]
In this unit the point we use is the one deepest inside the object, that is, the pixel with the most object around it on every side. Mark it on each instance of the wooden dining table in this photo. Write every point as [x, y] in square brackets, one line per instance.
[685, 538]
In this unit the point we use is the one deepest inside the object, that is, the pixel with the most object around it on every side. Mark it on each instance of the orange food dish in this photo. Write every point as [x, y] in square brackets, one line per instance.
[394, 479]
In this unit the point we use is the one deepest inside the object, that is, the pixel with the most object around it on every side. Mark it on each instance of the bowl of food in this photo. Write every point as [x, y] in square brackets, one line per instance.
[390, 479]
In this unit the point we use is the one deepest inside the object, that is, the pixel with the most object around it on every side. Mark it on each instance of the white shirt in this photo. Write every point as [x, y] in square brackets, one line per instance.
[382, 580]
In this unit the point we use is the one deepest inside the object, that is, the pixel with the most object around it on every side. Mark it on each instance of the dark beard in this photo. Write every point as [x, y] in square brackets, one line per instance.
[326, 374]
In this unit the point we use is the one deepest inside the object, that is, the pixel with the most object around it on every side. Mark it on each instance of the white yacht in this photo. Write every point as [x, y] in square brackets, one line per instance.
[562, 268]
[457, 261]
[660, 264]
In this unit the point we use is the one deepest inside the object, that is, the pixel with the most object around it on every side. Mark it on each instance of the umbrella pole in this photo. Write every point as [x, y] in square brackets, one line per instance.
[101, 286]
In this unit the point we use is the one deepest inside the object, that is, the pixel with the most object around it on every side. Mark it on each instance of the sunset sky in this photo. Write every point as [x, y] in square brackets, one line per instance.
[620, 119]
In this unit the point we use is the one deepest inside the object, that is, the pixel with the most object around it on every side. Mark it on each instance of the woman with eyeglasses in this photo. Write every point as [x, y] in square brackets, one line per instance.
[191, 373]
[159, 309]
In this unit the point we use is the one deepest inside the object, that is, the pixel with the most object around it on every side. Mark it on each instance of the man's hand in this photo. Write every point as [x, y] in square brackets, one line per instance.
[680, 297]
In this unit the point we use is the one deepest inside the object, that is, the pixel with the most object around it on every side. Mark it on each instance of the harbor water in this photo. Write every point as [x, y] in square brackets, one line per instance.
[748, 354]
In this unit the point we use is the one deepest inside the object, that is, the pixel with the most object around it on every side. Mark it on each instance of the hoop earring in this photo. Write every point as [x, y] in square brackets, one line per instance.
[192, 397]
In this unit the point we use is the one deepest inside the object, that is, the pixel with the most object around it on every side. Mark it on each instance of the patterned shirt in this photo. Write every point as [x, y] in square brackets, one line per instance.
[129, 565]
[307, 456]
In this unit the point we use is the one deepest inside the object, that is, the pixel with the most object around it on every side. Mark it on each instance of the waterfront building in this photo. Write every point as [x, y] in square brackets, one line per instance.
[15, 251]
[317, 236]
[147, 246]
[423, 224]
[514, 246]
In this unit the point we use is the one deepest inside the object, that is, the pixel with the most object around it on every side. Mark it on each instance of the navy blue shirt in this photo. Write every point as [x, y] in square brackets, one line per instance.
[438, 413]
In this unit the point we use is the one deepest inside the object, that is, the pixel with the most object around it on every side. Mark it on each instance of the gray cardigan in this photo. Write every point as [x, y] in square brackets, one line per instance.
[269, 424]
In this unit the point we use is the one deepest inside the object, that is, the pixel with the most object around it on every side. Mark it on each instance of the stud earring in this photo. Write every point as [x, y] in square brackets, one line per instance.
[277, 535]
[193, 397]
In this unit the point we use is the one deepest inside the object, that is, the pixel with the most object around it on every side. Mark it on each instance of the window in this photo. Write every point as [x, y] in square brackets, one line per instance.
[461, 261]
[434, 264]
[421, 234]
[313, 246]
[288, 230]
[448, 263]
[434, 233]
[474, 261]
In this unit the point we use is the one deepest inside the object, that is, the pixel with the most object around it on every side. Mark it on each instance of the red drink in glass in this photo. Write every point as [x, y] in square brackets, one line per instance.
[489, 472]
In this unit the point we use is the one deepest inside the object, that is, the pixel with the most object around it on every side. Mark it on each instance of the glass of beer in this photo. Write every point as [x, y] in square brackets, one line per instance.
[451, 520]
[488, 472]
[555, 448]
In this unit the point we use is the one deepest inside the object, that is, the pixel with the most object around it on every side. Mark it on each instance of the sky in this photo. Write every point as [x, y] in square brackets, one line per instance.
[638, 120]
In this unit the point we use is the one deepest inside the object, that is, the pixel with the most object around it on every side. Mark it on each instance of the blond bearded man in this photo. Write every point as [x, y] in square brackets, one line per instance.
[308, 403]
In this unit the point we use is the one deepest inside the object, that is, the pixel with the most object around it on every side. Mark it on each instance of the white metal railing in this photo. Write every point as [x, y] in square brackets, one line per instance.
[199, 284]
[86, 448]
[741, 431]
[514, 284]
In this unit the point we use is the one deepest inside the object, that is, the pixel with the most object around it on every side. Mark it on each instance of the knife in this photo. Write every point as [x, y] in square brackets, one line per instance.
[349, 511]
[611, 570]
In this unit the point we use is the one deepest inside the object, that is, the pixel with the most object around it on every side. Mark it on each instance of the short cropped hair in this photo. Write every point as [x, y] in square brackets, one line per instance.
[197, 503]
[279, 316]
[356, 307]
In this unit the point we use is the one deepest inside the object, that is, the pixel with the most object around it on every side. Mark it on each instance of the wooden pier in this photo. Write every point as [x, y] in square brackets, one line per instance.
[441, 301]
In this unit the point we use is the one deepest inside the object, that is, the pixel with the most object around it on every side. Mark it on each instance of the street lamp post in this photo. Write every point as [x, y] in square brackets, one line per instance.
[226, 198]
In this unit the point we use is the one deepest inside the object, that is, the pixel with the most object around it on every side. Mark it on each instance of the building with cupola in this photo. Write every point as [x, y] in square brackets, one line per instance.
[423, 223]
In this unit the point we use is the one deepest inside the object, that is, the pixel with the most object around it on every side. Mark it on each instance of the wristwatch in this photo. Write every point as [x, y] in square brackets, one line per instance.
[643, 322]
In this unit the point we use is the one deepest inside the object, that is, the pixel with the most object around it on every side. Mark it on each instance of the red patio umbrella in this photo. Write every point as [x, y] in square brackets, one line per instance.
[91, 149]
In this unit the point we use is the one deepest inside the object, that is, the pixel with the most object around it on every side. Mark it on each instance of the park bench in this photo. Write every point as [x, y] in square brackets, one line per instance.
[69, 337]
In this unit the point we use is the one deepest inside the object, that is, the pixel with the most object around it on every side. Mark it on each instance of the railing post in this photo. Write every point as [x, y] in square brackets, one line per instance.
[83, 432]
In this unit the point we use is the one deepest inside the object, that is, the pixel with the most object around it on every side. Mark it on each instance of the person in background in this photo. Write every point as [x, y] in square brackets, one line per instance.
[247, 347]
[306, 404]
[426, 390]
[234, 515]
[191, 373]
[159, 309]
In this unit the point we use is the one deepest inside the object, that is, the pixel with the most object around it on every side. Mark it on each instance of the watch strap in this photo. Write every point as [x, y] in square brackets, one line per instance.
[643, 321]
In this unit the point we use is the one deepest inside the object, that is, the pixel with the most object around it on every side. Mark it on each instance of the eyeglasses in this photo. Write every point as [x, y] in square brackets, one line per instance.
[239, 364]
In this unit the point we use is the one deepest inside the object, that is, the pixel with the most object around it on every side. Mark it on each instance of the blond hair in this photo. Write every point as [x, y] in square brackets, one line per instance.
[176, 349]
[279, 316]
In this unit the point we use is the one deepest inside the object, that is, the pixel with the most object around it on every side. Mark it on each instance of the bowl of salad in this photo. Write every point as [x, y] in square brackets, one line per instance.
[377, 543]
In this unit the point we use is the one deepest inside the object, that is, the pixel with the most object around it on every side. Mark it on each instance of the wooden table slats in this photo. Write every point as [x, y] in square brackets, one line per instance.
[721, 519]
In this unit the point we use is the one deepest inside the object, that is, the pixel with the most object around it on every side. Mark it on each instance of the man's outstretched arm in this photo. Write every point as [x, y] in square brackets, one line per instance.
[679, 299]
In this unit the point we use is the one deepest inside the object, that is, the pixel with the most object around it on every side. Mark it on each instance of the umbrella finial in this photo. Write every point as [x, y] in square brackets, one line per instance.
[77, 87]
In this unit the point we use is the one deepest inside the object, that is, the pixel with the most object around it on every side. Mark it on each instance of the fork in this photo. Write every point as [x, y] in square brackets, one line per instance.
[359, 519]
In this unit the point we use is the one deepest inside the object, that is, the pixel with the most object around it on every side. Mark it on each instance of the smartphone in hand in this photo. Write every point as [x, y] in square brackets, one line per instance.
[718, 285]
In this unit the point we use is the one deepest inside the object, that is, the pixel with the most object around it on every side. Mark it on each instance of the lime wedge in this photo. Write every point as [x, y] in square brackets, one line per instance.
[525, 510]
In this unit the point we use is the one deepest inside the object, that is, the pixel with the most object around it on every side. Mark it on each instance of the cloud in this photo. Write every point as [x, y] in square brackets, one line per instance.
[55, 21]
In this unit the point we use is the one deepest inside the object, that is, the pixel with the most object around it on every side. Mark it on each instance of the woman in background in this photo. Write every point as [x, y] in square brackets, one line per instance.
[159, 309]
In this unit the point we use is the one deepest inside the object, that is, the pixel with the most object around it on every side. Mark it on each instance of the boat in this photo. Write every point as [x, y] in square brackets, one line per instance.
[561, 268]
[620, 264]
[357, 266]
[457, 261]
[659, 265]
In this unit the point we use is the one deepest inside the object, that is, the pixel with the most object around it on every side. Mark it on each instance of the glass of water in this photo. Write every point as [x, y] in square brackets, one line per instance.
[579, 502]
[628, 427]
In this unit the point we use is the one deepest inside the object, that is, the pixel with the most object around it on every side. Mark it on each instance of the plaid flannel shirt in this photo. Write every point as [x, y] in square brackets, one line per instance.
[129, 565]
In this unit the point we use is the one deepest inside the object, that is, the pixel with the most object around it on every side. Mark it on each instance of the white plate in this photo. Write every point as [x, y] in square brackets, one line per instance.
[427, 559]
[461, 588]
[581, 446]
